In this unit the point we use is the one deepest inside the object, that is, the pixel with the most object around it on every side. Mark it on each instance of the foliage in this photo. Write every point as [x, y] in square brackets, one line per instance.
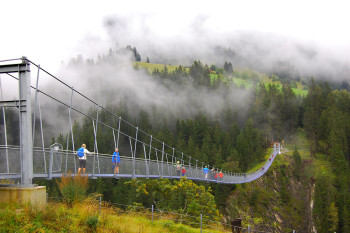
[297, 163]
[81, 217]
[183, 196]
[92, 223]
[274, 203]
[73, 188]
[6, 181]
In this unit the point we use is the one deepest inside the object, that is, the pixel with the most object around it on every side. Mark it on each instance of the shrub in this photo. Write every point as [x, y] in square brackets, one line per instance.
[73, 188]
[6, 181]
[92, 223]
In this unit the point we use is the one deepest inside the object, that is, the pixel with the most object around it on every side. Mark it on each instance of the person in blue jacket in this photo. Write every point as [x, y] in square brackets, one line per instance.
[206, 171]
[116, 161]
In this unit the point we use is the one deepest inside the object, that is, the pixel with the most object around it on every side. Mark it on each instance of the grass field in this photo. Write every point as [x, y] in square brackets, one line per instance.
[239, 82]
[151, 67]
[300, 91]
[242, 77]
[84, 217]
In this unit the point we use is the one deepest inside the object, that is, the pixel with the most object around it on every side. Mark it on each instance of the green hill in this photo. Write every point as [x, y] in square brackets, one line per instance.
[245, 78]
[151, 67]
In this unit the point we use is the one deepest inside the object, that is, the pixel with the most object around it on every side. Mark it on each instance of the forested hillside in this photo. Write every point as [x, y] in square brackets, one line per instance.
[231, 128]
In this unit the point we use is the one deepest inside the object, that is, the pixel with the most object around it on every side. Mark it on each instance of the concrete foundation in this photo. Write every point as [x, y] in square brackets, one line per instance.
[34, 195]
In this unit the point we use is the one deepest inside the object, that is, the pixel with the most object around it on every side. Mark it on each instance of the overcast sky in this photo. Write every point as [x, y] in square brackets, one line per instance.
[48, 32]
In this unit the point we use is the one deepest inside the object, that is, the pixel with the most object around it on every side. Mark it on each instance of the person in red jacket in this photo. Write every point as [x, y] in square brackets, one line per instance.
[183, 170]
[221, 175]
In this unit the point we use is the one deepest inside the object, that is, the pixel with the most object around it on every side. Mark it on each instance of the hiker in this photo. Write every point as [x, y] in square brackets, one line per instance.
[221, 175]
[116, 161]
[183, 170]
[205, 170]
[82, 152]
[213, 173]
[178, 168]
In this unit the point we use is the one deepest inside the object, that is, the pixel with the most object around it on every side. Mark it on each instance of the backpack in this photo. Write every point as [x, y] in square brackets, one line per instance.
[80, 152]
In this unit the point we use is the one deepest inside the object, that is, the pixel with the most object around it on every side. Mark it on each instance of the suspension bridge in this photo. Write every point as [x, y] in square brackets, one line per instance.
[142, 155]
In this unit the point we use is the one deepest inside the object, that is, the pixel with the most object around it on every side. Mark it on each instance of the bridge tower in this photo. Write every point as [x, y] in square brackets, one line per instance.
[25, 109]
[26, 192]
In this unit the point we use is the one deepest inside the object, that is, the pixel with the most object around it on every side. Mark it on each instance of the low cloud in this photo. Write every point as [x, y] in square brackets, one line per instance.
[263, 51]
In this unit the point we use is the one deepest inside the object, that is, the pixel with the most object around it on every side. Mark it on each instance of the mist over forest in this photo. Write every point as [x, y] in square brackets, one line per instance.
[261, 51]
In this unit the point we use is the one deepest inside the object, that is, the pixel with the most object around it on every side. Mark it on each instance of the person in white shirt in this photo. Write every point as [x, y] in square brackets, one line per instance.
[82, 152]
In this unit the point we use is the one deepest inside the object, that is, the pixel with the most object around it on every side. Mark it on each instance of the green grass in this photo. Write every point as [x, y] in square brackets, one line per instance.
[238, 82]
[213, 77]
[300, 92]
[83, 217]
[242, 82]
[242, 77]
[151, 67]
[312, 166]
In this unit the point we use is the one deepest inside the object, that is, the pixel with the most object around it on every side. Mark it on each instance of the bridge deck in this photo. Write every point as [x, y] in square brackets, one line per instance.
[48, 164]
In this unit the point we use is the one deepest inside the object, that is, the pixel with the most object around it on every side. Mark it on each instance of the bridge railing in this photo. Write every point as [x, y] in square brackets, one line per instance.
[49, 163]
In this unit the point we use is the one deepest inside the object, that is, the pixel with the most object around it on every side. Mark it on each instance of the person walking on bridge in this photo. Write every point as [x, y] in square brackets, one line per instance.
[116, 161]
[82, 152]
[206, 171]
[178, 168]
[213, 173]
[221, 175]
[183, 171]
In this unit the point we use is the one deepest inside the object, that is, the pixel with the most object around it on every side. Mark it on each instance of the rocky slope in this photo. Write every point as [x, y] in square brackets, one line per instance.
[280, 201]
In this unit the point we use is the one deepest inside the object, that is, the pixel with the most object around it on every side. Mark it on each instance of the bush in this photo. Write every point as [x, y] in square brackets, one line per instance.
[92, 223]
[73, 188]
[6, 181]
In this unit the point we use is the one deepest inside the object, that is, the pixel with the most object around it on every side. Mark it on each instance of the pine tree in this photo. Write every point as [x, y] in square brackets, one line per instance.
[333, 218]
[191, 148]
[297, 163]
[311, 115]
[206, 153]
[322, 204]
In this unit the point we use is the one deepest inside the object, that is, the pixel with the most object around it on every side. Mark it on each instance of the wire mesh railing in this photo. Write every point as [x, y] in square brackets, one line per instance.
[49, 163]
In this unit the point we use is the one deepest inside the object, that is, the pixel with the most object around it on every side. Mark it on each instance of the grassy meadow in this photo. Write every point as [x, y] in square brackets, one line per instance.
[244, 78]
[84, 217]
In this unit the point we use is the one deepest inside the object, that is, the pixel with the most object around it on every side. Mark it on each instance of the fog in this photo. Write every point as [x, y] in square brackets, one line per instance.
[116, 81]
[264, 51]
[289, 40]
